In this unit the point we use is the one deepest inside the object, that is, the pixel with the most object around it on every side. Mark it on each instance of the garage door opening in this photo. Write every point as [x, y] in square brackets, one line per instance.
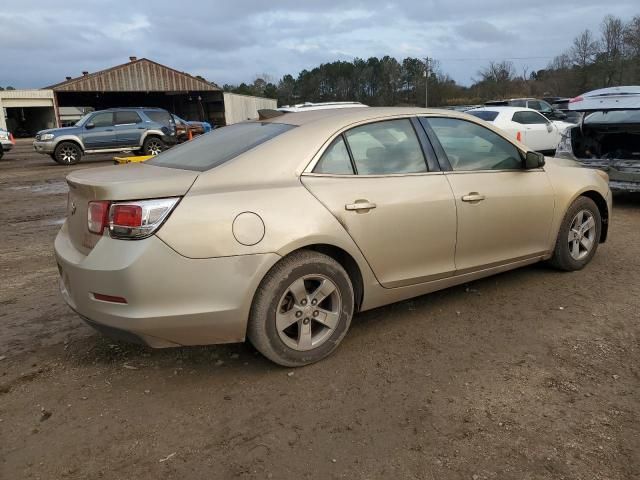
[27, 121]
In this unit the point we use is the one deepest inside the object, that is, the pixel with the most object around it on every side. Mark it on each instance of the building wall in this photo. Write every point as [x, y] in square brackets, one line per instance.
[28, 99]
[239, 108]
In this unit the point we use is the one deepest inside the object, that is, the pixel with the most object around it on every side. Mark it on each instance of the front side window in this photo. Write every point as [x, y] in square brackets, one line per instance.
[469, 146]
[125, 118]
[335, 160]
[104, 119]
[529, 118]
[384, 148]
[518, 103]
[219, 146]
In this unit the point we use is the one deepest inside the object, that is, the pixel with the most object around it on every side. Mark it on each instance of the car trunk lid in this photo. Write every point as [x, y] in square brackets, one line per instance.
[117, 183]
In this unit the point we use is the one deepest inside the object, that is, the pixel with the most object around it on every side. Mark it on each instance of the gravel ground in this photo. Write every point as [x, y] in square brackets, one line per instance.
[532, 374]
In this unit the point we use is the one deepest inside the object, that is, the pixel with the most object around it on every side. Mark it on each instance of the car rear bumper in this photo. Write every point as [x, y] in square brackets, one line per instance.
[46, 147]
[171, 300]
[6, 146]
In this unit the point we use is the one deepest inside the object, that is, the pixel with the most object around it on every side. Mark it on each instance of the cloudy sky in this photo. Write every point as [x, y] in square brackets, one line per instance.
[234, 41]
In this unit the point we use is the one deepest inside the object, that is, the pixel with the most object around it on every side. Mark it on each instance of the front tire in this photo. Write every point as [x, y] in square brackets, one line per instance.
[302, 309]
[67, 153]
[578, 237]
[153, 146]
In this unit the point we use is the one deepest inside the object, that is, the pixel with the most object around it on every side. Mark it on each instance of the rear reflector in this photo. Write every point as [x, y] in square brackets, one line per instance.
[98, 216]
[519, 137]
[109, 298]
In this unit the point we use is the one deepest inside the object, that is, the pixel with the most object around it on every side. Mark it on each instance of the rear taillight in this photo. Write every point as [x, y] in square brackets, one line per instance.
[12, 139]
[98, 216]
[129, 220]
[139, 219]
[576, 99]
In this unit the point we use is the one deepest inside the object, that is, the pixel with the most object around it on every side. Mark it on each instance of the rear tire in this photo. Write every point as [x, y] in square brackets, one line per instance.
[578, 237]
[67, 153]
[153, 146]
[1, 152]
[302, 309]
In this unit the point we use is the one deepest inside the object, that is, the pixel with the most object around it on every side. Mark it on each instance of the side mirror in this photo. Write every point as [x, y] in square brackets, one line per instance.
[533, 160]
[89, 125]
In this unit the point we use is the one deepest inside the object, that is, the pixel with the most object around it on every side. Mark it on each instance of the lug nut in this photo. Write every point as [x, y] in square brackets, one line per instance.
[306, 321]
[314, 301]
[316, 313]
[303, 302]
[298, 314]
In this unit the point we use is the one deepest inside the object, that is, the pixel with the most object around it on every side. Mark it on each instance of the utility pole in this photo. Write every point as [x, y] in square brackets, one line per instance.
[426, 82]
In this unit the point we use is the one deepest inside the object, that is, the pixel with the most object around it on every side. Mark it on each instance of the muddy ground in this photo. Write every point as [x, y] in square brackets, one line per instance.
[532, 374]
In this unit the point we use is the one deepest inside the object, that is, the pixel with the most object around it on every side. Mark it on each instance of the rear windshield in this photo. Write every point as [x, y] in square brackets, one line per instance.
[219, 146]
[486, 115]
[614, 116]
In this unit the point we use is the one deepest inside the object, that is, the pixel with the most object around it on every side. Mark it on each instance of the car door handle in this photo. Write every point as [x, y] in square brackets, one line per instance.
[360, 205]
[473, 197]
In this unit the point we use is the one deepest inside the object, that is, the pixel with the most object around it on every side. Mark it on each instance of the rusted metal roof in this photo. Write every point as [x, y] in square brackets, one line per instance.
[141, 75]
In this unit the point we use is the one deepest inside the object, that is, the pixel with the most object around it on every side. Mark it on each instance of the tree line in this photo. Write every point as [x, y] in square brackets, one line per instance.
[600, 59]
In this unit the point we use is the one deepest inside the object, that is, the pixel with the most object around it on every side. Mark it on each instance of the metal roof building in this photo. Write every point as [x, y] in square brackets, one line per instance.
[137, 83]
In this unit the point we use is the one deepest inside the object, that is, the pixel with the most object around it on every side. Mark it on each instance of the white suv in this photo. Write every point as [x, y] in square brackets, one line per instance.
[6, 142]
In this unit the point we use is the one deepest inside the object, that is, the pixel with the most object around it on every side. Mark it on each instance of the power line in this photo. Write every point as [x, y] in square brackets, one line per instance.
[492, 58]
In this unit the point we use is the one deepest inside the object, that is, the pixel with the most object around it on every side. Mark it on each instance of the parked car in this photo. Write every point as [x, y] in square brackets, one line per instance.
[6, 142]
[535, 104]
[608, 137]
[183, 127]
[524, 124]
[146, 131]
[280, 230]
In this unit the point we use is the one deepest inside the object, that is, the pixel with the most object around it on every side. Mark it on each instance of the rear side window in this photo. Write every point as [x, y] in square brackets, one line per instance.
[335, 159]
[123, 118]
[529, 118]
[486, 115]
[383, 148]
[518, 103]
[219, 146]
[159, 116]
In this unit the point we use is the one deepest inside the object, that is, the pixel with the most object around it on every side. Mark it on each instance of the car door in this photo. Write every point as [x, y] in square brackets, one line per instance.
[401, 213]
[99, 132]
[504, 211]
[129, 128]
[539, 133]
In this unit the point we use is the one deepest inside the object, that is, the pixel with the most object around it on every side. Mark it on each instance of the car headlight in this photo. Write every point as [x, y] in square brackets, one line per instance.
[46, 136]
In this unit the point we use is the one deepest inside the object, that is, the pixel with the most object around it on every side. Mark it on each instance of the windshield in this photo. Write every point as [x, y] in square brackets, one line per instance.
[487, 115]
[80, 122]
[613, 117]
[219, 146]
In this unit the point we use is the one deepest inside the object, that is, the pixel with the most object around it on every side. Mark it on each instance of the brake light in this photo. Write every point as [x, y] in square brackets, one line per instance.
[127, 215]
[12, 139]
[139, 219]
[98, 216]
[576, 99]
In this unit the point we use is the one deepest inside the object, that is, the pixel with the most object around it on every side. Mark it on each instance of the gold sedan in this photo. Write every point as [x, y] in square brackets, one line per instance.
[281, 230]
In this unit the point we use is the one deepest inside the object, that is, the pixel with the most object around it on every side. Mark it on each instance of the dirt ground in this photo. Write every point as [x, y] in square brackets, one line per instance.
[532, 374]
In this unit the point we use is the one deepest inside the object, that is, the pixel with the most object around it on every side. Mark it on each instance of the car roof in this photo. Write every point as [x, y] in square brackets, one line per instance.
[112, 109]
[347, 116]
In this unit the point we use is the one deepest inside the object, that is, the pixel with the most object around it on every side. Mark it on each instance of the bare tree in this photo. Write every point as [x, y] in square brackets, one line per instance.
[632, 37]
[612, 46]
[584, 49]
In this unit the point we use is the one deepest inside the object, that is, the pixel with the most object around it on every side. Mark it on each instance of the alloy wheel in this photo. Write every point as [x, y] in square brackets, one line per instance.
[308, 312]
[582, 234]
[155, 148]
[68, 154]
